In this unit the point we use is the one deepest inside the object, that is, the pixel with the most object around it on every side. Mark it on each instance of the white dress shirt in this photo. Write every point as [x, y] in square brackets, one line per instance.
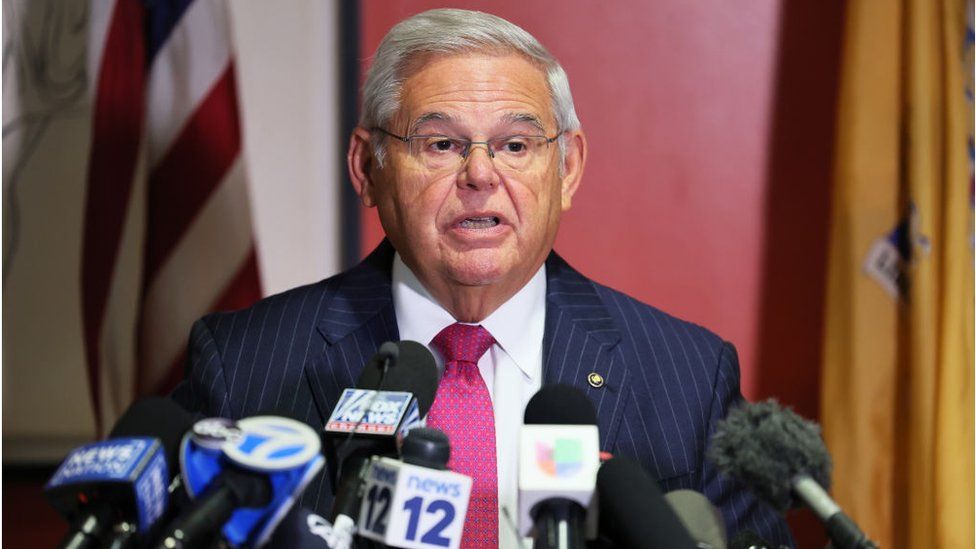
[511, 369]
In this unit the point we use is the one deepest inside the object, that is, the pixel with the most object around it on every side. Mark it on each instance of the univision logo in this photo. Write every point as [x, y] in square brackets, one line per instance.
[562, 458]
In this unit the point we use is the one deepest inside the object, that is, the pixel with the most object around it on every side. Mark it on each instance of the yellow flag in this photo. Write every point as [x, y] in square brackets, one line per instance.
[898, 353]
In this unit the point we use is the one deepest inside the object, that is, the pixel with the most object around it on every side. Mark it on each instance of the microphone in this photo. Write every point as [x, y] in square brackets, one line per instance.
[633, 512]
[782, 458]
[415, 502]
[702, 519]
[244, 477]
[303, 529]
[559, 455]
[394, 391]
[120, 483]
[747, 539]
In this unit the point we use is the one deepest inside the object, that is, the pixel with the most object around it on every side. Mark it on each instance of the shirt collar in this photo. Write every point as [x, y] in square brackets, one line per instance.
[517, 325]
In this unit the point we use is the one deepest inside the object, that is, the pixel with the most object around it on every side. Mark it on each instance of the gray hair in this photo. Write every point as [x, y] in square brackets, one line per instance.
[453, 31]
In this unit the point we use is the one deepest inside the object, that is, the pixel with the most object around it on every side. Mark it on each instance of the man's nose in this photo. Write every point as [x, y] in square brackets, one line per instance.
[478, 172]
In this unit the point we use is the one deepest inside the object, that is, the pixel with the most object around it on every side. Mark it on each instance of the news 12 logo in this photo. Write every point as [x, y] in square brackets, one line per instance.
[370, 412]
[561, 458]
[414, 507]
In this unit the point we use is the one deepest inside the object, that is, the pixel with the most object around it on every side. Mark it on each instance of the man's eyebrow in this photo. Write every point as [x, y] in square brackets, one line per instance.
[522, 117]
[511, 118]
[429, 117]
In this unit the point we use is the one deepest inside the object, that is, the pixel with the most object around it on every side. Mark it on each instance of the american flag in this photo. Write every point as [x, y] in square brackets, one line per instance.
[167, 180]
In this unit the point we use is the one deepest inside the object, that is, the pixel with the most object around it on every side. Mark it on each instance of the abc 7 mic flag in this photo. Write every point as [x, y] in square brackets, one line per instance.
[285, 451]
[414, 507]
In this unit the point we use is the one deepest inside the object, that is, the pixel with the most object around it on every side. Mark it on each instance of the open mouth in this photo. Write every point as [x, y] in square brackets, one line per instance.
[486, 222]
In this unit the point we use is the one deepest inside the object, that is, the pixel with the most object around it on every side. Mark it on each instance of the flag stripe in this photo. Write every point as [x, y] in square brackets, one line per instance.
[163, 17]
[184, 71]
[183, 181]
[195, 275]
[116, 134]
[238, 295]
[241, 291]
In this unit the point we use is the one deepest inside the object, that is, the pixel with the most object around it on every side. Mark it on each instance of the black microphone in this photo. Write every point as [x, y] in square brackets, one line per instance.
[395, 391]
[559, 456]
[303, 529]
[633, 511]
[117, 488]
[405, 366]
[782, 458]
[703, 520]
[747, 539]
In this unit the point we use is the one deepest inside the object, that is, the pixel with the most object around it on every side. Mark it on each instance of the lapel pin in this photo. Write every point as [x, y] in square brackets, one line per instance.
[595, 380]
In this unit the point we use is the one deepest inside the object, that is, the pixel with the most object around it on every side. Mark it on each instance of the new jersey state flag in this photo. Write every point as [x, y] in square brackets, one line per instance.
[897, 400]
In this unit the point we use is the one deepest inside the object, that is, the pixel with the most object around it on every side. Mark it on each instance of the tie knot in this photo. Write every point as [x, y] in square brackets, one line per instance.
[463, 342]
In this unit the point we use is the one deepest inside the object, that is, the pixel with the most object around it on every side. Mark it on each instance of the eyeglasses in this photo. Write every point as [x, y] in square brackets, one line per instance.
[443, 152]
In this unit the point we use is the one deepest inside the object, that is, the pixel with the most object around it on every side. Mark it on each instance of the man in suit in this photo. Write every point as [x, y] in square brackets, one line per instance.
[470, 149]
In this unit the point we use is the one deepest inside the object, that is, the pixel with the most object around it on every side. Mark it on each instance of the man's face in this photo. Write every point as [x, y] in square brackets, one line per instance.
[480, 223]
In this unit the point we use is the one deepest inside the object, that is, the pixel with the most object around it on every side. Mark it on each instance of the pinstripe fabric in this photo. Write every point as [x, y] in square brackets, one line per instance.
[667, 381]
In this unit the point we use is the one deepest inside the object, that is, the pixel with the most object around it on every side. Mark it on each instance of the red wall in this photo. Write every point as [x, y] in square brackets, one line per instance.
[710, 126]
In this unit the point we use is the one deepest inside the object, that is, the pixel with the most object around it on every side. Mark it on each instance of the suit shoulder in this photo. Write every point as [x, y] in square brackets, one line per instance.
[627, 310]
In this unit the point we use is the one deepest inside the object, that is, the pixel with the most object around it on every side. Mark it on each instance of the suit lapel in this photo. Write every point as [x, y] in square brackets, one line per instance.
[359, 318]
[580, 343]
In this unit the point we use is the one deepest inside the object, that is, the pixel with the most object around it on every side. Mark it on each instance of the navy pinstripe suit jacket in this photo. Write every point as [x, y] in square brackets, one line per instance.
[667, 381]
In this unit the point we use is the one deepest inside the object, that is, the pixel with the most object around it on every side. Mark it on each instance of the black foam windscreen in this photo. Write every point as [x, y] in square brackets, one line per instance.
[156, 417]
[414, 372]
[765, 446]
[559, 405]
[388, 351]
[633, 511]
[426, 447]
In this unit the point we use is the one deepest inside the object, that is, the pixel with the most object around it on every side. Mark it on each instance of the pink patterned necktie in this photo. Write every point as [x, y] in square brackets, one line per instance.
[463, 410]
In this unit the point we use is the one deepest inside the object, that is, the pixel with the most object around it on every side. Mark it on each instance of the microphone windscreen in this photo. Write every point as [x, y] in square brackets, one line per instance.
[156, 417]
[702, 519]
[633, 511]
[426, 447]
[389, 351]
[414, 372]
[765, 446]
[559, 405]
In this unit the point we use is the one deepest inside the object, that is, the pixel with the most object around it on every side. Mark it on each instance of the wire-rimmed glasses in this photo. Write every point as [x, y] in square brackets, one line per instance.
[438, 152]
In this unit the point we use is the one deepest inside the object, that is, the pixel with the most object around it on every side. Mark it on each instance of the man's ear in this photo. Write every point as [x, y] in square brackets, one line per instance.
[573, 164]
[361, 164]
